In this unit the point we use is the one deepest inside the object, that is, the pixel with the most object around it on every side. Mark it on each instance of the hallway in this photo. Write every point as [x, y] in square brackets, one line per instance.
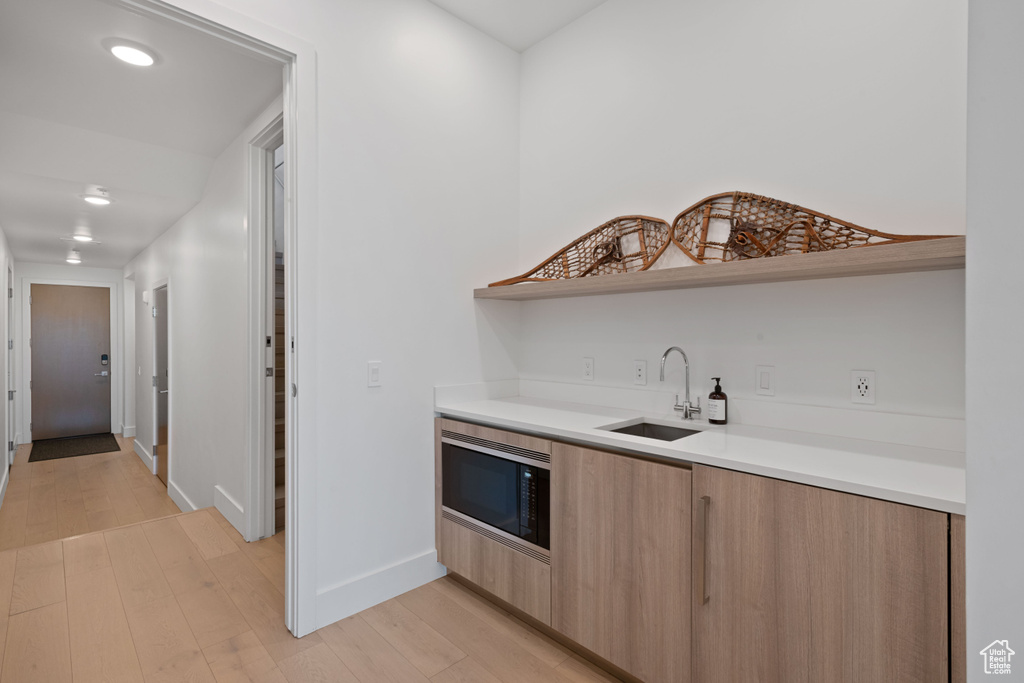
[56, 499]
[184, 598]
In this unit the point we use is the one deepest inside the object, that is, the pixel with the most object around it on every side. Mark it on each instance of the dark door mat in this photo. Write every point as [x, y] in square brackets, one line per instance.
[69, 447]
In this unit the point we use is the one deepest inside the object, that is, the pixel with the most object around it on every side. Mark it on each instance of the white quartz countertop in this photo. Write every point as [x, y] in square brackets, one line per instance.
[924, 477]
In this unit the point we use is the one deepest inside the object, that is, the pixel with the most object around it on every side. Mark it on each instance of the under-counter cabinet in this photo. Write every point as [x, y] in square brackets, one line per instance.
[795, 583]
[676, 573]
[501, 563]
[620, 560]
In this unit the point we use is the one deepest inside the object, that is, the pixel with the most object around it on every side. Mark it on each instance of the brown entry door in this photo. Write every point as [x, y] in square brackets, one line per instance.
[70, 383]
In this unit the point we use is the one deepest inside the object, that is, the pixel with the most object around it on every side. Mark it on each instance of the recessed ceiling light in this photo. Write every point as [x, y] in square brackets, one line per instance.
[132, 55]
[82, 238]
[98, 201]
[74, 257]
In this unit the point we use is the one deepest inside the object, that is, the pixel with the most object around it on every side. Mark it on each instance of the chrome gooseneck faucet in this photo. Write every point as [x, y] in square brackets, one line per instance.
[688, 410]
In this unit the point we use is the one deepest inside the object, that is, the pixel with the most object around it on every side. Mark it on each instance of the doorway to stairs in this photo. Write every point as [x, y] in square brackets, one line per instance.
[269, 193]
[278, 332]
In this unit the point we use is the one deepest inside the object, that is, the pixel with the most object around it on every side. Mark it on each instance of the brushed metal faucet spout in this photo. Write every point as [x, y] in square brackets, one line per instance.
[688, 410]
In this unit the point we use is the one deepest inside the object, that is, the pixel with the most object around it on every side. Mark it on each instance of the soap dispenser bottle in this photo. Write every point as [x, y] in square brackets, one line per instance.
[718, 404]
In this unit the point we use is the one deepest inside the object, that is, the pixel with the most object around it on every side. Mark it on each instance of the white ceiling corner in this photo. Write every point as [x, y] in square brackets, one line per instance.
[519, 24]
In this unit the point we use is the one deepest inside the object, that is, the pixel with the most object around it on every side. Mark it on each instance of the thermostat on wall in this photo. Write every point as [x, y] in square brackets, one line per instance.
[145, 296]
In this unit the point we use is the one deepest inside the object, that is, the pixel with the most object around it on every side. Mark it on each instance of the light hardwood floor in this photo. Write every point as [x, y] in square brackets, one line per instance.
[184, 598]
[56, 499]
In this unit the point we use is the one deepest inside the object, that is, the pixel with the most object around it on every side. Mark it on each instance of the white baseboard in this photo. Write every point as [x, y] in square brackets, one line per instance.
[127, 431]
[179, 498]
[345, 599]
[148, 460]
[229, 507]
[3, 486]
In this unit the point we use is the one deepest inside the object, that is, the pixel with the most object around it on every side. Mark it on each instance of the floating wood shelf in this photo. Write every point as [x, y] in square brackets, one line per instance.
[940, 254]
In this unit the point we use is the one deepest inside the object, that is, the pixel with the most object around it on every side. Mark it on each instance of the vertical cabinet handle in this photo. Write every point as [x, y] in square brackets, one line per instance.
[701, 564]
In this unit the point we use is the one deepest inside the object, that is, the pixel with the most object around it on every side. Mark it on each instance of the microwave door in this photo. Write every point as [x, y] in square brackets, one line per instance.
[481, 486]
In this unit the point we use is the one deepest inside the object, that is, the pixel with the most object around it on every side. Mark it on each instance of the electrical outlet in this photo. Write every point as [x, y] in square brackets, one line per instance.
[862, 386]
[764, 380]
[639, 372]
[373, 373]
[588, 368]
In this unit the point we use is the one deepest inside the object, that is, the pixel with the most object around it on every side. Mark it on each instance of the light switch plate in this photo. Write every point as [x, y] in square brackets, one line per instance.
[764, 380]
[373, 373]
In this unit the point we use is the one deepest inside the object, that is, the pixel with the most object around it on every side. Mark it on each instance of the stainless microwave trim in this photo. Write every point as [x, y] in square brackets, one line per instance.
[498, 535]
[521, 455]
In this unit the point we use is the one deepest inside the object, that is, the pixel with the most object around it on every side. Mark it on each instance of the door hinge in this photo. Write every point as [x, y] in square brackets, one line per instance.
[293, 344]
[29, 299]
[270, 372]
[10, 292]
[10, 445]
[30, 426]
[10, 344]
[10, 394]
[154, 380]
[30, 385]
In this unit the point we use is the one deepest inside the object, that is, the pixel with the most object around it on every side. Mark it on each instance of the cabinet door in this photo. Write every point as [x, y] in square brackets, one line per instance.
[807, 585]
[620, 560]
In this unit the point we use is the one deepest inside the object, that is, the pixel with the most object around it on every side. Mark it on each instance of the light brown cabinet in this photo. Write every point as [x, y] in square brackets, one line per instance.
[620, 560]
[676, 574]
[489, 558]
[807, 585]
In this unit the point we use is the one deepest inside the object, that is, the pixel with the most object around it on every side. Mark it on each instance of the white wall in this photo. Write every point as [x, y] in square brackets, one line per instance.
[995, 334]
[24, 274]
[908, 328]
[646, 106]
[418, 187]
[854, 109]
[202, 259]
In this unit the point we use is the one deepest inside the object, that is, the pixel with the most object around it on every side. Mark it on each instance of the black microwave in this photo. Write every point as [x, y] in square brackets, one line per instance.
[505, 487]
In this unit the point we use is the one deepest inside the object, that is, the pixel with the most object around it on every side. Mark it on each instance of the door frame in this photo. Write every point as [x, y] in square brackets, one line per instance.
[116, 364]
[298, 60]
[9, 383]
[260, 482]
[161, 284]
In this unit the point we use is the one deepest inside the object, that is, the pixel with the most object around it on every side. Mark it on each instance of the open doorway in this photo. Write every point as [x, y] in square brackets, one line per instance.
[161, 383]
[10, 367]
[277, 333]
[116, 211]
[268, 200]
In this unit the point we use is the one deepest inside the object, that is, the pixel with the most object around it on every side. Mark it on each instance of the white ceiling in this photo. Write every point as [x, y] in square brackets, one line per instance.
[73, 117]
[518, 23]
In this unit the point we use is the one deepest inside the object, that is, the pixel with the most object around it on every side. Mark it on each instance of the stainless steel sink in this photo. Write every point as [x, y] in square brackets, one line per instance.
[651, 430]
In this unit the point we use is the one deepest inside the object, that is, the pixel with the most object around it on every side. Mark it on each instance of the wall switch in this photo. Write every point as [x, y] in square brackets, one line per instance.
[373, 373]
[862, 386]
[588, 368]
[764, 380]
[639, 372]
